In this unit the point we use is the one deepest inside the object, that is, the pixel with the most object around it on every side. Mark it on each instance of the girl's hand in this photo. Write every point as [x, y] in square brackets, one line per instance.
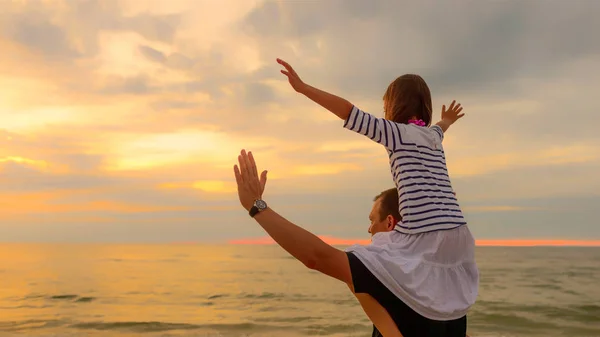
[452, 114]
[292, 76]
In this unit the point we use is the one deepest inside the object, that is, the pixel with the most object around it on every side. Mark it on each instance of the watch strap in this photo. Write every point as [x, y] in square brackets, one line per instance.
[253, 211]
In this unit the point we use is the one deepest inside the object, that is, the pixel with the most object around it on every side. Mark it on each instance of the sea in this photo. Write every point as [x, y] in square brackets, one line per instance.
[235, 290]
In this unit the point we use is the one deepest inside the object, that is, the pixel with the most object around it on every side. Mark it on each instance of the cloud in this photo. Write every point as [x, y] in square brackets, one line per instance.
[24, 161]
[497, 60]
[258, 93]
[329, 240]
[138, 85]
[42, 37]
[543, 243]
[23, 177]
[49, 204]
[500, 208]
[210, 186]
[114, 106]
[153, 54]
[326, 169]
[488, 45]
[71, 31]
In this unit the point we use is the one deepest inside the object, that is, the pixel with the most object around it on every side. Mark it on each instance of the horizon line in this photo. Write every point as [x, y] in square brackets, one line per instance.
[478, 242]
[267, 241]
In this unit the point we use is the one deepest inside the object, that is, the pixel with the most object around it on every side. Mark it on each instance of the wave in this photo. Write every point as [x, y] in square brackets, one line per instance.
[575, 313]
[265, 295]
[72, 297]
[287, 319]
[63, 297]
[210, 299]
[157, 326]
[334, 328]
[58, 297]
[31, 324]
[214, 297]
[135, 326]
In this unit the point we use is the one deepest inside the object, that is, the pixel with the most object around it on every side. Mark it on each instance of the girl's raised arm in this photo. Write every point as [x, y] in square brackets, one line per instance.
[339, 106]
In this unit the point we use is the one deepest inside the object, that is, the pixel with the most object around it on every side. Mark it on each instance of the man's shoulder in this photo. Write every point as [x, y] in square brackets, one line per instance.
[381, 238]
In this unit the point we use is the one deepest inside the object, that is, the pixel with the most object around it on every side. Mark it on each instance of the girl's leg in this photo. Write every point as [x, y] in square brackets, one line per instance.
[377, 314]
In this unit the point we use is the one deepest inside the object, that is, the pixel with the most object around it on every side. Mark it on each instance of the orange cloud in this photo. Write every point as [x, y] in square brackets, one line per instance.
[41, 165]
[95, 103]
[482, 243]
[44, 202]
[210, 186]
[324, 169]
[21, 160]
[329, 239]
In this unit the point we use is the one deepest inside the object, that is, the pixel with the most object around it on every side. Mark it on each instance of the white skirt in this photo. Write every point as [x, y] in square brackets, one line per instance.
[434, 273]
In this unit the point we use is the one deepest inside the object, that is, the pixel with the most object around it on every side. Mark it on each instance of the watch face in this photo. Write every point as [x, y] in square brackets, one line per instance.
[260, 204]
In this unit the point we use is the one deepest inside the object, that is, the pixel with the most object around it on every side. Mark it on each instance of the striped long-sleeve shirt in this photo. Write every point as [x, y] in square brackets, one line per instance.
[418, 166]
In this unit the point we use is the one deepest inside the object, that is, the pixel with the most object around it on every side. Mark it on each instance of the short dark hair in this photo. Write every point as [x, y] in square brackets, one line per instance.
[389, 204]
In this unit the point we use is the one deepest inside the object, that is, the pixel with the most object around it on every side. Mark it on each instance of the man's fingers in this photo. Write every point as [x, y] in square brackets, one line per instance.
[444, 108]
[247, 165]
[243, 166]
[263, 180]
[238, 175]
[263, 176]
[452, 105]
[252, 164]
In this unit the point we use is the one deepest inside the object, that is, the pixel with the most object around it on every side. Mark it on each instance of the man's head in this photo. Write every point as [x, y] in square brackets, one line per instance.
[384, 214]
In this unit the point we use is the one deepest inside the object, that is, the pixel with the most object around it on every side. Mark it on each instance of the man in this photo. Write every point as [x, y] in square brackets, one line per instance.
[383, 217]
[388, 313]
[384, 214]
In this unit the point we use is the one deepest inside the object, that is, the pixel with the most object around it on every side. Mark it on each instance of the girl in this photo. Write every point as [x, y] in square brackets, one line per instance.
[427, 261]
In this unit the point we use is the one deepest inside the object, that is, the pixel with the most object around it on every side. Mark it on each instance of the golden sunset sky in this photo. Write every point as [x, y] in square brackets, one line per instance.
[121, 120]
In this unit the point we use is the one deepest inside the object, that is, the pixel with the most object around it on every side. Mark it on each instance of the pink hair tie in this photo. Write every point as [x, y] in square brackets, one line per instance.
[418, 122]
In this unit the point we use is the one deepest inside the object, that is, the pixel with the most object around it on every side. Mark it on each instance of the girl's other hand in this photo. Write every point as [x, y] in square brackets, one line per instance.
[292, 76]
[453, 113]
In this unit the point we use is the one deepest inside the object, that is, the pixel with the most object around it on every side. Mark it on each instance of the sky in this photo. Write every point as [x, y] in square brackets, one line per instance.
[121, 120]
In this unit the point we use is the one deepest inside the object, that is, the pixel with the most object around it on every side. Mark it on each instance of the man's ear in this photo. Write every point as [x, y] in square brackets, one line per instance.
[391, 222]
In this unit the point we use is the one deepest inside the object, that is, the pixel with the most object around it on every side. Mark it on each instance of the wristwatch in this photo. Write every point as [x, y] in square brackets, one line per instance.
[259, 205]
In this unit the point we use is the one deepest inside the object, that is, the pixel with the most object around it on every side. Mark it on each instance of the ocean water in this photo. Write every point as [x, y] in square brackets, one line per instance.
[195, 290]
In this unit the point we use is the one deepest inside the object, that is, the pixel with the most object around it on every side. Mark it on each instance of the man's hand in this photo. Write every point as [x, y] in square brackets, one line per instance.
[452, 114]
[250, 187]
[292, 76]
